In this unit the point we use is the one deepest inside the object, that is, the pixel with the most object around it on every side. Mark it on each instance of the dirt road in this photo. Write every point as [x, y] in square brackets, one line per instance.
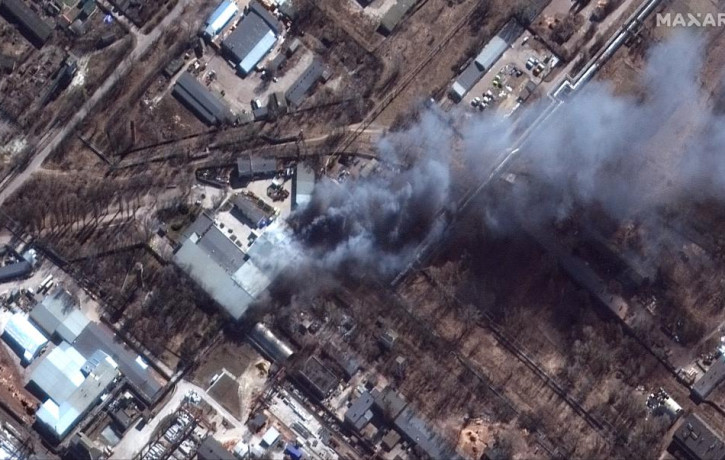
[143, 43]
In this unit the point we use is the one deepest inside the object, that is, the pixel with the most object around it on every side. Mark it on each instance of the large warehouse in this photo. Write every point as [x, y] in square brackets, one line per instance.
[485, 60]
[220, 17]
[72, 386]
[201, 101]
[253, 38]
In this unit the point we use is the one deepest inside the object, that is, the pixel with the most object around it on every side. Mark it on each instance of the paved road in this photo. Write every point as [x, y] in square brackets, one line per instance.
[134, 440]
[143, 43]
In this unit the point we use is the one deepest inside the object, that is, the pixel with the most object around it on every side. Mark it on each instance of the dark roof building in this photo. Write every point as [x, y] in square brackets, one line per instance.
[98, 337]
[359, 413]
[390, 440]
[253, 38]
[394, 15]
[415, 431]
[211, 449]
[388, 403]
[58, 315]
[36, 30]
[200, 100]
[696, 440]
[256, 423]
[15, 270]
[317, 378]
[250, 211]
[7, 64]
[712, 378]
[347, 362]
[255, 167]
[299, 89]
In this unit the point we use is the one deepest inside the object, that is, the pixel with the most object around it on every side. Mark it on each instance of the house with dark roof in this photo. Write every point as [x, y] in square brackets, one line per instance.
[254, 37]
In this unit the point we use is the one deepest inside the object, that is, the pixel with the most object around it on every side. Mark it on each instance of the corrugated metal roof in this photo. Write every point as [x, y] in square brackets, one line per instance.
[99, 337]
[58, 314]
[270, 343]
[220, 17]
[256, 54]
[221, 249]
[213, 279]
[247, 210]
[61, 416]
[254, 36]
[297, 92]
[490, 53]
[24, 335]
[16, 270]
[200, 100]
[59, 374]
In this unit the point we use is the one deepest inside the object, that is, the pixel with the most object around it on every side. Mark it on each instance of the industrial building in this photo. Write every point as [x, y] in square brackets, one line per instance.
[30, 24]
[97, 337]
[269, 344]
[16, 265]
[299, 89]
[210, 259]
[24, 338]
[485, 60]
[220, 18]
[58, 316]
[72, 386]
[713, 377]
[360, 413]
[394, 15]
[251, 211]
[15, 270]
[252, 168]
[254, 37]
[205, 105]
[231, 277]
[696, 440]
[303, 184]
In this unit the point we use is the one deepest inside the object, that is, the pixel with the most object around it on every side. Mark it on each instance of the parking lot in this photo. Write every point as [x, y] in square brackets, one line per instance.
[527, 60]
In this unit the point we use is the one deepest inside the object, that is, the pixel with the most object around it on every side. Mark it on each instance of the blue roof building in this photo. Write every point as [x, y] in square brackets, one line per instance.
[220, 18]
[253, 38]
[294, 452]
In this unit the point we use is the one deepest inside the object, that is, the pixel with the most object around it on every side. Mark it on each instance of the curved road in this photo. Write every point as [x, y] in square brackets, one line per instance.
[143, 43]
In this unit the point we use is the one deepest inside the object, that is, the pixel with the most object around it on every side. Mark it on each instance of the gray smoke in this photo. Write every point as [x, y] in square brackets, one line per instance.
[597, 150]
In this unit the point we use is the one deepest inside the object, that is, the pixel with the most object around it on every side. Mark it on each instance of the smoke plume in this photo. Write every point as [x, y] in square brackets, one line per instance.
[598, 149]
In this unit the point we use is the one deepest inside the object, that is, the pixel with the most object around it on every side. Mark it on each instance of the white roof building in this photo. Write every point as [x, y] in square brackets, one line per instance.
[24, 337]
